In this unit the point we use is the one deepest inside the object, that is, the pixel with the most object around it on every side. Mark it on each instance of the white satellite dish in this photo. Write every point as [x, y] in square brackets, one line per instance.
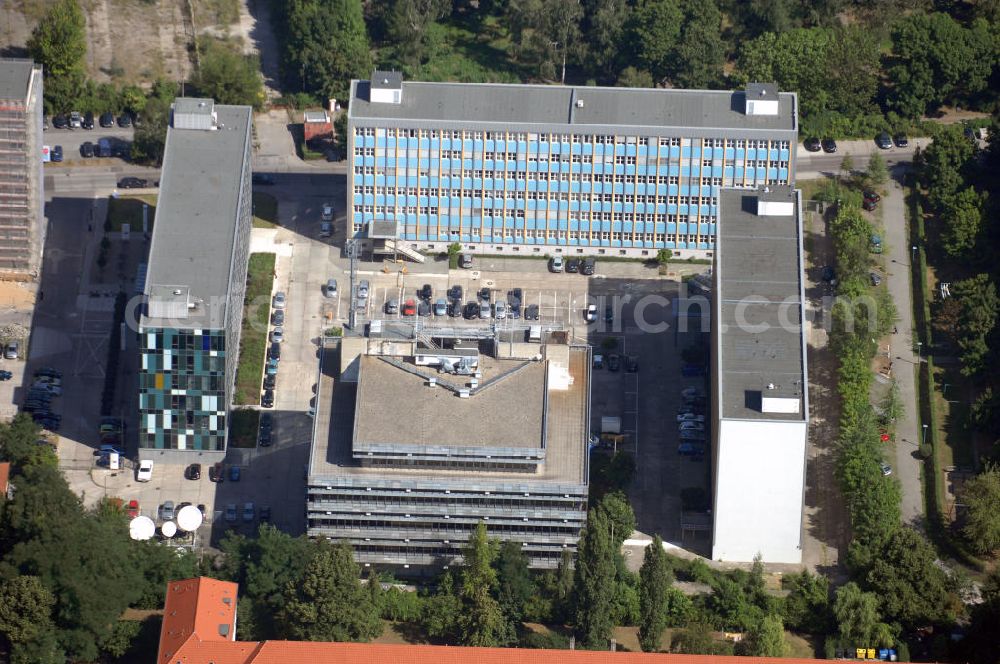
[169, 529]
[141, 528]
[189, 518]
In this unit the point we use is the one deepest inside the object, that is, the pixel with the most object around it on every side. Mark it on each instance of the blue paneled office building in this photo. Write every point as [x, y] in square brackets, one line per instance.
[525, 169]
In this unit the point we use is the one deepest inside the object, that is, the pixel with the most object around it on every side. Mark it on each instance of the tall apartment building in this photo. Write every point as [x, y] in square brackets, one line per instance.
[22, 219]
[413, 447]
[760, 390]
[534, 169]
[195, 283]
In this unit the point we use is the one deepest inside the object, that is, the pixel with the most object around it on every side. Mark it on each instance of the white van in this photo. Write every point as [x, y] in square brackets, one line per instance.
[374, 328]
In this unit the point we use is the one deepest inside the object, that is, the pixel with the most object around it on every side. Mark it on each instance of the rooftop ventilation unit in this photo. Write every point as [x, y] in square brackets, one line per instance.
[579, 103]
[761, 99]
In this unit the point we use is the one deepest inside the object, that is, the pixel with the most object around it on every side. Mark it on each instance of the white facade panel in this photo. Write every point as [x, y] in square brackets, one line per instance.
[760, 475]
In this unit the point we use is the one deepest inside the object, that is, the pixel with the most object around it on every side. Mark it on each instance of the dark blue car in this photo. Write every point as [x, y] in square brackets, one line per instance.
[57, 154]
[234, 473]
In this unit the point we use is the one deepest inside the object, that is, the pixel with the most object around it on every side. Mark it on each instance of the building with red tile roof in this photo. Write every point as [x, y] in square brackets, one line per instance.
[199, 627]
[5, 486]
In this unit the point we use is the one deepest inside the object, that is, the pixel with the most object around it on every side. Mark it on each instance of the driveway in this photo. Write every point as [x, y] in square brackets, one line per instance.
[812, 165]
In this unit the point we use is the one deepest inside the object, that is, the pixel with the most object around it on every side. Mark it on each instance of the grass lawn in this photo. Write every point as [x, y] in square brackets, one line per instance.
[128, 210]
[265, 210]
[243, 424]
[253, 339]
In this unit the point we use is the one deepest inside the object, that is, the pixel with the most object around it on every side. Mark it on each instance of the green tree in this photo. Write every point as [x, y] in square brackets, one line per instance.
[765, 638]
[607, 23]
[483, 623]
[877, 173]
[700, 55]
[697, 639]
[544, 33]
[619, 515]
[59, 44]
[980, 306]
[981, 495]
[961, 222]
[858, 619]
[516, 588]
[149, 139]
[442, 612]
[26, 618]
[630, 77]
[943, 165]
[325, 46]
[594, 585]
[228, 76]
[807, 605]
[655, 30]
[655, 579]
[328, 602]
[936, 60]
[17, 444]
[563, 588]
[408, 25]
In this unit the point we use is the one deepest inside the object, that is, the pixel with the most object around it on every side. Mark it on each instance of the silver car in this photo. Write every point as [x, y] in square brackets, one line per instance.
[363, 289]
[330, 290]
[279, 300]
[500, 309]
[167, 510]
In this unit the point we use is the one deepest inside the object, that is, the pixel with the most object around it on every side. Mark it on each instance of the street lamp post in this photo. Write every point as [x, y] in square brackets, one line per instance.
[920, 345]
[923, 439]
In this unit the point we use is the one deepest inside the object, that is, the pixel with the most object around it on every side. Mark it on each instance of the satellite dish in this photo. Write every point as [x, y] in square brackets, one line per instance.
[189, 518]
[169, 529]
[141, 528]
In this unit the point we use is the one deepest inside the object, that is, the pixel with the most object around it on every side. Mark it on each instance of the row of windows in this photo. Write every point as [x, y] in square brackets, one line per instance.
[535, 176]
[319, 500]
[442, 526]
[574, 215]
[551, 196]
[562, 138]
[603, 235]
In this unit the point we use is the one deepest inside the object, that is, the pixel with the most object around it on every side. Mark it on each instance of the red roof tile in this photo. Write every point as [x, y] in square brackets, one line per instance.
[201, 606]
[4, 478]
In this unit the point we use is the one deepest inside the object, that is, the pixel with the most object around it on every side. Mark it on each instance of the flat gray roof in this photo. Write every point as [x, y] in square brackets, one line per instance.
[509, 413]
[15, 74]
[446, 104]
[759, 307]
[566, 427]
[196, 216]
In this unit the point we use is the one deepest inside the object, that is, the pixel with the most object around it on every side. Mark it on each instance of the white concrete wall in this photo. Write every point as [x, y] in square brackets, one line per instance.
[759, 491]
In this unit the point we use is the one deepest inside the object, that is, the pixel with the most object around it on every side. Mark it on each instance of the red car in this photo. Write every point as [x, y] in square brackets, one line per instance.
[409, 308]
[133, 509]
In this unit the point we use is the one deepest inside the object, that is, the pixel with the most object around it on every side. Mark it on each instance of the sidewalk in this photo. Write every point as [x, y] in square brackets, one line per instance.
[906, 466]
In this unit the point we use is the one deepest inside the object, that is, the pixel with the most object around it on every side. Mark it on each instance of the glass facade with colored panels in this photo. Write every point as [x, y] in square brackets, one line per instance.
[574, 190]
[182, 389]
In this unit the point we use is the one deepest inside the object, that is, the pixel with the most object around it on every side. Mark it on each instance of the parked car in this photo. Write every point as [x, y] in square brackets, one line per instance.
[409, 308]
[556, 264]
[267, 399]
[471, 310]
[572, 265]
[277, 335]
[363, 289]
[278, 317]
[57, 153]
[392, 306]
[193, 472]
[145, 471]
[465, 261]
[326, 229]
[455, 292]
[440, 307]
[234, 473]
[829, 145]
[901, 140]
[279, 300]
[423, 308]
[327, 212]
[690, 449]
[425, 292]
[869, 206]
[60, 122]
[5, 375]
[829, 275]
[590, 313]
[690, 417]
[132, 510]
[131, 183]
[876, 278]
[330, 290]
[124, 120]
[167, 510]
[107, 120]
[885, 468]
[215, 473]
[484, 309]
[690, 425]
[455, 308]
[871, 196]
[264, 438]
[883, 141]
[812, 144]
[531, 312]
[88, 120]
[598, 361]
[86, 149]
[269, 382]
[588, 266]
[230, 514]
[609, 315]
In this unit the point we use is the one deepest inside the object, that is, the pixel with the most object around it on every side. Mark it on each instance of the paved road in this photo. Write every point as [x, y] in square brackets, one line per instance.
[812, 165]
[905, 465]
